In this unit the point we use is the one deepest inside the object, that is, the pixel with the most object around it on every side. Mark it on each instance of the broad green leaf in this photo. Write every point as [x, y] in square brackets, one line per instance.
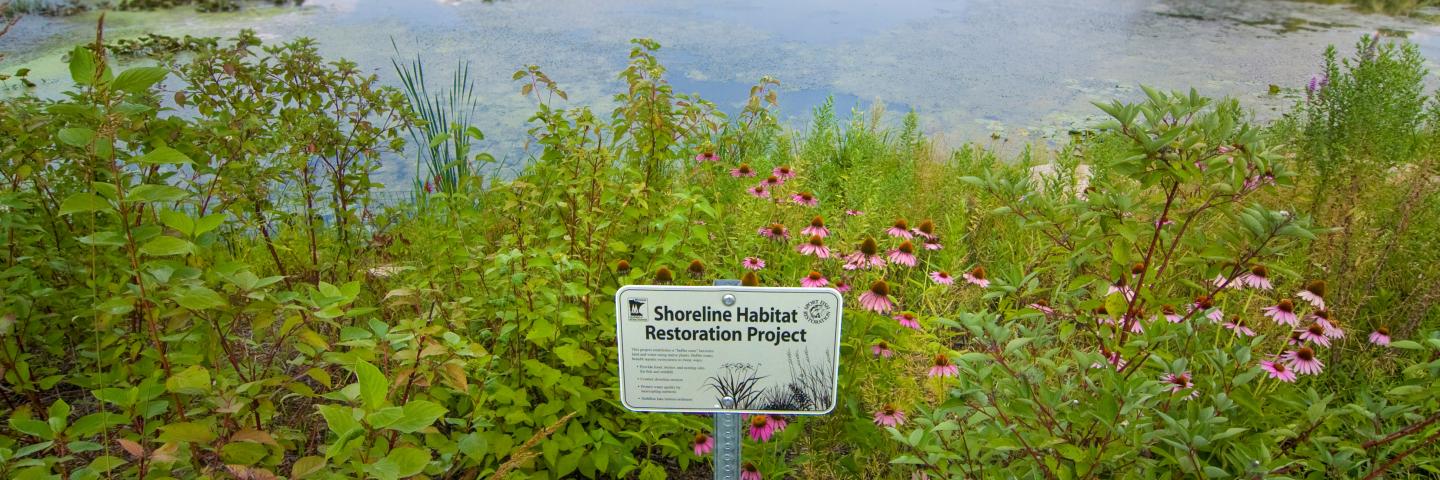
[243, 453]
[187, 432]
[84, 202]
[573, 355]
[200, 298]
[400, 463]
[105, 463]
[164, 156]
[32, 427]
[418, 414]
[306, 466]
[373, 385]
[385, 417]
[139, 79]
[340, 418]
[82, 65]
[155, 193]
[76, 137]
[163, 246]
[191, 381]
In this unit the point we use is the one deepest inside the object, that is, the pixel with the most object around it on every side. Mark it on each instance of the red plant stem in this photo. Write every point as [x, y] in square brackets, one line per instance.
[1381, 469]
[1402, 432]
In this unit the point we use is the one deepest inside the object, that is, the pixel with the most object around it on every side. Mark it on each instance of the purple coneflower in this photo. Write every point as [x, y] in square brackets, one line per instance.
[759, 191]
[976, 276]
[703, 444]
[748, 471]
[1381, 336]
[816, 227]
[1112, 359]
[942, 367]
[1258, 277]
[1331, 326]
[907, 320]
[761, 428]
[925, 230]
[742, 171]
[1043, 306]
[904, 254]
[814, 280]
[1314, 293]
[866, 257]
[784, 172]
[882, 349]
[804, 198]
[1302, 360]
[815, 246]
[772, 181]
[1315, 333]
[696, 269]
[889, 416]
[842, 286]
[1221, 282]
[1283, 312]
[854, 213]
[1278, 371]
[622, 267]
[900, 229]
[663, 276]
[1238, 325]
[1120, 287]
[1181, 382]
[1206, 305]
[775, 232]
[753, 263]
[1170, 314]
[707, 157]
[877, 298]
[942, 277]
[1135, 325]
[932, 243]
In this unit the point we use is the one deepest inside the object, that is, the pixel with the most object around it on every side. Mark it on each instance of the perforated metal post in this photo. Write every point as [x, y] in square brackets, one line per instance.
[727, 425]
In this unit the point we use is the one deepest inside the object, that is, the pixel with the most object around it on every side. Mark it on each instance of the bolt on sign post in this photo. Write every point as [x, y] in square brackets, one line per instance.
[728, 350]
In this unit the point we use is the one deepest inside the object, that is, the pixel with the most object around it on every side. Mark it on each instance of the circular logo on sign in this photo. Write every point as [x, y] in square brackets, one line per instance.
[817, 311]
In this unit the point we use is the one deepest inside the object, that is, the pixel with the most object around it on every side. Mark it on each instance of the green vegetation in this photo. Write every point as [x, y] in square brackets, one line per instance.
[207, 286]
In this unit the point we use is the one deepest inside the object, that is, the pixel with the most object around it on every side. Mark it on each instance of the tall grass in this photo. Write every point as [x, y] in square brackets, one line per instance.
[445, 135]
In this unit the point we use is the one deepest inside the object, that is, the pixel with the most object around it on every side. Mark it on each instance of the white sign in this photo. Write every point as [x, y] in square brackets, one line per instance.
[772, 350]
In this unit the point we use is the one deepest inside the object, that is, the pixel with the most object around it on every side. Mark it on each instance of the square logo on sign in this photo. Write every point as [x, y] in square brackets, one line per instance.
[637, 309]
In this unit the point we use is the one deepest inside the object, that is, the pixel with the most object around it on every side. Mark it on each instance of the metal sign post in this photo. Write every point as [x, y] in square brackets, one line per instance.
[728, 350]
[727, 429]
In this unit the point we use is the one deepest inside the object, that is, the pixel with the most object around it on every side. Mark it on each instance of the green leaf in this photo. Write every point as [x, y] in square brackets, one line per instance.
[191, 381]
[139, 79]
[82, 65]
[573, 355]
[208, 223]
[243, 453]
[105, 463]
[155, 193]
[164, 156]
[84, 202]
[385, 417]
[187, 432]
[373, 386]
[418, 415]
[401, 462]
[200, 298]
[340, 418]
[32, 427]
[76, 137]
[179, 221]
[306, 466]
[1406, 345]
[163, 246]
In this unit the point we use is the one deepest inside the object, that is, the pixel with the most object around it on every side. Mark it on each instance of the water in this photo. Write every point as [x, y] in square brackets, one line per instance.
[991, 71]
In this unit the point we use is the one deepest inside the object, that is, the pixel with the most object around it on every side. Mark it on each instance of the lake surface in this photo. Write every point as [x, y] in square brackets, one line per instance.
[975, 70]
